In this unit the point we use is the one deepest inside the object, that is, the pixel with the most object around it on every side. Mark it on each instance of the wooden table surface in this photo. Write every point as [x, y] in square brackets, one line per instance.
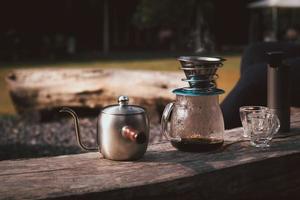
[236, 171]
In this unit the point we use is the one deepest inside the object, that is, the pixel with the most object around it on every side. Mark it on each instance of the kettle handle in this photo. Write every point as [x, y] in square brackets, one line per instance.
[77, 130]
[165, 120]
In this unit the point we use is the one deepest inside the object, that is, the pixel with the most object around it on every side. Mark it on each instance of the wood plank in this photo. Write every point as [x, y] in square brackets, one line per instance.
[237, 170]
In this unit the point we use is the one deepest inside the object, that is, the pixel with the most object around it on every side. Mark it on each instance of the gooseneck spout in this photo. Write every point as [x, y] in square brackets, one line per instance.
[77, 129]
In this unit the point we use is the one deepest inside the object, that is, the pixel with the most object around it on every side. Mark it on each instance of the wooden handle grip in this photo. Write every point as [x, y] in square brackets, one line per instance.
[133, 135]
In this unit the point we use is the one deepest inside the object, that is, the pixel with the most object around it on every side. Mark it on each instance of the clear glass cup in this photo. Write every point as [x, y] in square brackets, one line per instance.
[245, 119]
[265, 125]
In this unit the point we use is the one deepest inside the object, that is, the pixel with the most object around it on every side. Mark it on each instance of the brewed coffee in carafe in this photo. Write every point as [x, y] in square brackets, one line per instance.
[194, 122]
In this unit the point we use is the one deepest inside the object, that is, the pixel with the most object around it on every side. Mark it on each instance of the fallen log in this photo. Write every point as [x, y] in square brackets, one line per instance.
[39, 93]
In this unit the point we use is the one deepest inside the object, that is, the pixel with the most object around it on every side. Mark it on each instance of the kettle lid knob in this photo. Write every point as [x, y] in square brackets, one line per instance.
[123, 100]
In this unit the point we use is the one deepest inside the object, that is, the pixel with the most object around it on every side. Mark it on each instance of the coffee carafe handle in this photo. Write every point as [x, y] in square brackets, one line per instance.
[77, 130]
[165, 120]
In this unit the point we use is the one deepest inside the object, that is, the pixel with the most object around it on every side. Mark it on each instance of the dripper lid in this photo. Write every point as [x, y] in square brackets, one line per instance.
[192, 61]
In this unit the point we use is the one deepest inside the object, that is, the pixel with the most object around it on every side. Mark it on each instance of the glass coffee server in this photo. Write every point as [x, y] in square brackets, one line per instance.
[194, 122]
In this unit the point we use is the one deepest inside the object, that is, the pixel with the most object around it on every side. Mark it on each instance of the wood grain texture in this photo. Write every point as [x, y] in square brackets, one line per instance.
[236, 171]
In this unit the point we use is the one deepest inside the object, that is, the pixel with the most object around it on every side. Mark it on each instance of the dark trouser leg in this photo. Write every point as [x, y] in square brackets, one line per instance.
[251, 89]
[256, 53]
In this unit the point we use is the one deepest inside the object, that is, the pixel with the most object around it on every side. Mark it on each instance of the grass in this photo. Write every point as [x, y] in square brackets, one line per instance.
[229, 74]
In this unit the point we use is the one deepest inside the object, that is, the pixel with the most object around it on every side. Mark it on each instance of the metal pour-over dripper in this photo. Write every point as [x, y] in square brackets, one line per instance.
[200, 72]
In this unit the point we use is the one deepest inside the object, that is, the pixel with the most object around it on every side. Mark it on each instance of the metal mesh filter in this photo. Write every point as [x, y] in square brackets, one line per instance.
[200, 72]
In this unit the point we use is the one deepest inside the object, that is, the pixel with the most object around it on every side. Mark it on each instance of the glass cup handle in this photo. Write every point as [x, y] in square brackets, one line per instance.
[276, 123]
[165, 119]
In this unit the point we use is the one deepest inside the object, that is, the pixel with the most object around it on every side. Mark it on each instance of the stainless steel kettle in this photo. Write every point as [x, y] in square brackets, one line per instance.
[122, 131]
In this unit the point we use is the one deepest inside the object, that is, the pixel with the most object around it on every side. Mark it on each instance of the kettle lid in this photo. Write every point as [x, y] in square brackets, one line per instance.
[123, 108]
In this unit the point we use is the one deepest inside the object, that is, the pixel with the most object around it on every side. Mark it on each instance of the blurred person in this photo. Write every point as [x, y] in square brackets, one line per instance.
[11, 44]
[269, 36]
[59, 45]
[71, 45]
[165, 37]
[251, 89]
[292, 35]
[46, 46]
